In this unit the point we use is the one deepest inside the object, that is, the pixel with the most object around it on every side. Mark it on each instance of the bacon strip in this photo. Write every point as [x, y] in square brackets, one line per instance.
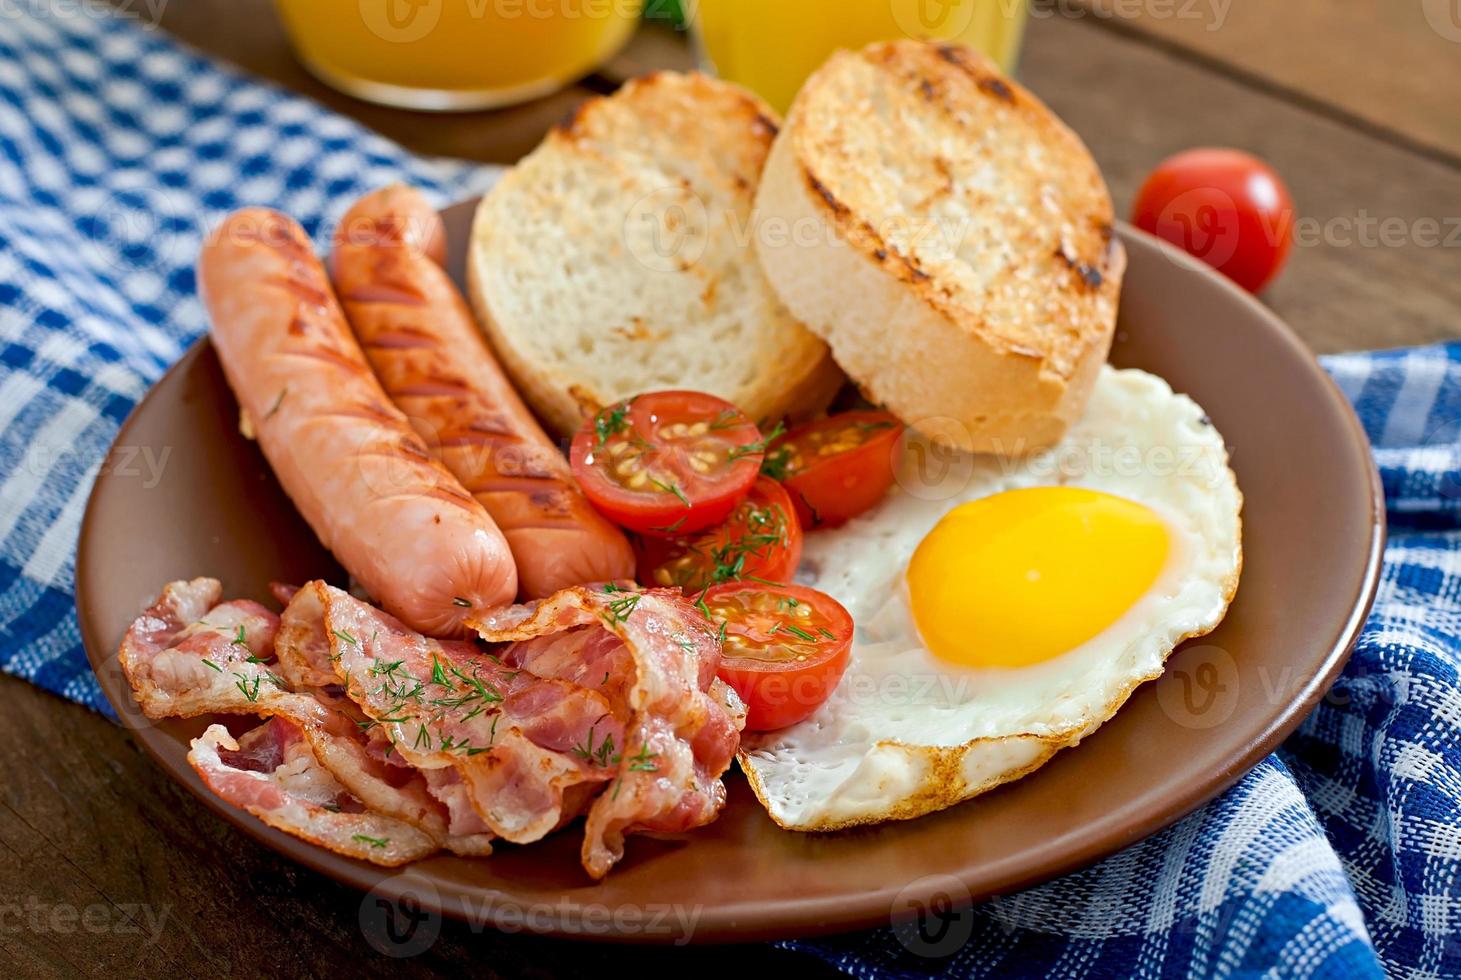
[603, 701]
[342, 741]
[191, 655]
[351, 746]
[186, 656]
[682, 725]
[272, 773]
[521, 745]
[301, 646]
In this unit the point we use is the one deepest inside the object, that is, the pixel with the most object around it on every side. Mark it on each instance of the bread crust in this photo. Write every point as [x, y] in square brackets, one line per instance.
[664, 144]
[968, 274]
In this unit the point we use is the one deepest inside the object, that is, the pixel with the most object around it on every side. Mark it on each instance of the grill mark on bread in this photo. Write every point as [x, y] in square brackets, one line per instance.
[997, 88]
[970, 251]
[762, 124]
[988, 83]
[824, 192]
[1089, 274]
[573, 122]
[865, 236]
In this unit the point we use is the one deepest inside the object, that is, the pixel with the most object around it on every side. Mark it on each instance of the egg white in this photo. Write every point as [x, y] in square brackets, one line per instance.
[906, 733]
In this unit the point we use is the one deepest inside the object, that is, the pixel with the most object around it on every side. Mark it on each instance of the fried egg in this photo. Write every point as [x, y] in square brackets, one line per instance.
[1007, 606]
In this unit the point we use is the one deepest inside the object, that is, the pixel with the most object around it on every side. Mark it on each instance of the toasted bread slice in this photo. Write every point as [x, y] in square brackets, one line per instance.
[616, 258]
[955, 243]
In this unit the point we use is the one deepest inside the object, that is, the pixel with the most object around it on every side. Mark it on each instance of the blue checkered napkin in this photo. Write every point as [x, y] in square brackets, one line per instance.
[1338, 857]
[118, 150]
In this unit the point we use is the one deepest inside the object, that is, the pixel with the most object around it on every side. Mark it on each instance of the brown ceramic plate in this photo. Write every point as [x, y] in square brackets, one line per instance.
[1313, 533]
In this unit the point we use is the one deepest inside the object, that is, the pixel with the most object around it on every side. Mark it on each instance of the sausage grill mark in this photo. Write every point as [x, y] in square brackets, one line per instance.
[329, 355]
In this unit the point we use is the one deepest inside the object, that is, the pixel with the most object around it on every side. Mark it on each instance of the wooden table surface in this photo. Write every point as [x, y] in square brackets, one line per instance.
[1353, 102]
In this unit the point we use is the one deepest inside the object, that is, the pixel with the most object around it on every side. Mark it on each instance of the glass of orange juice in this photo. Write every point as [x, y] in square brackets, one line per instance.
[455, 54]
[771, 46]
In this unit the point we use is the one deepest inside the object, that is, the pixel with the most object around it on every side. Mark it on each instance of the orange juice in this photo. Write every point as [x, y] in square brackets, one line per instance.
[771, 46]
[455, 54]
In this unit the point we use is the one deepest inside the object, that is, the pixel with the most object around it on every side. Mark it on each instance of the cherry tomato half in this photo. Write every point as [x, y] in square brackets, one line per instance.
[1226, 207]
[837, 467]
[762, 539]
[671, 462]
[785, 648]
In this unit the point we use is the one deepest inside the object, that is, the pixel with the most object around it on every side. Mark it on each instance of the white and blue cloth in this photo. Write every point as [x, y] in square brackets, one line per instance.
[1338, 856]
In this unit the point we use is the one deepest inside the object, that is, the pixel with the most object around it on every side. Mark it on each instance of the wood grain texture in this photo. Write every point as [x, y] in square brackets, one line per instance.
[1394, 65]
[88, 822]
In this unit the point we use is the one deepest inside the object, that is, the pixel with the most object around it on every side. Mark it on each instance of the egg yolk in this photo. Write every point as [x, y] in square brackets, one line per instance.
[1019, 577]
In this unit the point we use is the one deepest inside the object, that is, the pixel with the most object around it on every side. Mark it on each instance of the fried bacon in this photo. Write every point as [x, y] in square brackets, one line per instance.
[681, 726]
[301, 646]
[445, 704]
[345, 746]
[170, 655]
[348, 744]
[191, 655]
[386, 745]
[272, 773]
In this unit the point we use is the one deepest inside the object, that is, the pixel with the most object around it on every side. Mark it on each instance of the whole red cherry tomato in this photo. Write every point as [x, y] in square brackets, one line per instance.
[1226, 207]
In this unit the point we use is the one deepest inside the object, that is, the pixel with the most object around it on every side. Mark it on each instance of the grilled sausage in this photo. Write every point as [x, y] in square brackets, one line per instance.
[395, 518]
[436, 366]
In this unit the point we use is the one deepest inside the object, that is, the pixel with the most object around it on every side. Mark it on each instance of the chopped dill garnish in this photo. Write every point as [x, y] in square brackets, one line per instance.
[251, 692]
[642, 762]
[620, 609]
[673, 488]
[600, 755]
[777, 462]
[612, 421]
[759, 447]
